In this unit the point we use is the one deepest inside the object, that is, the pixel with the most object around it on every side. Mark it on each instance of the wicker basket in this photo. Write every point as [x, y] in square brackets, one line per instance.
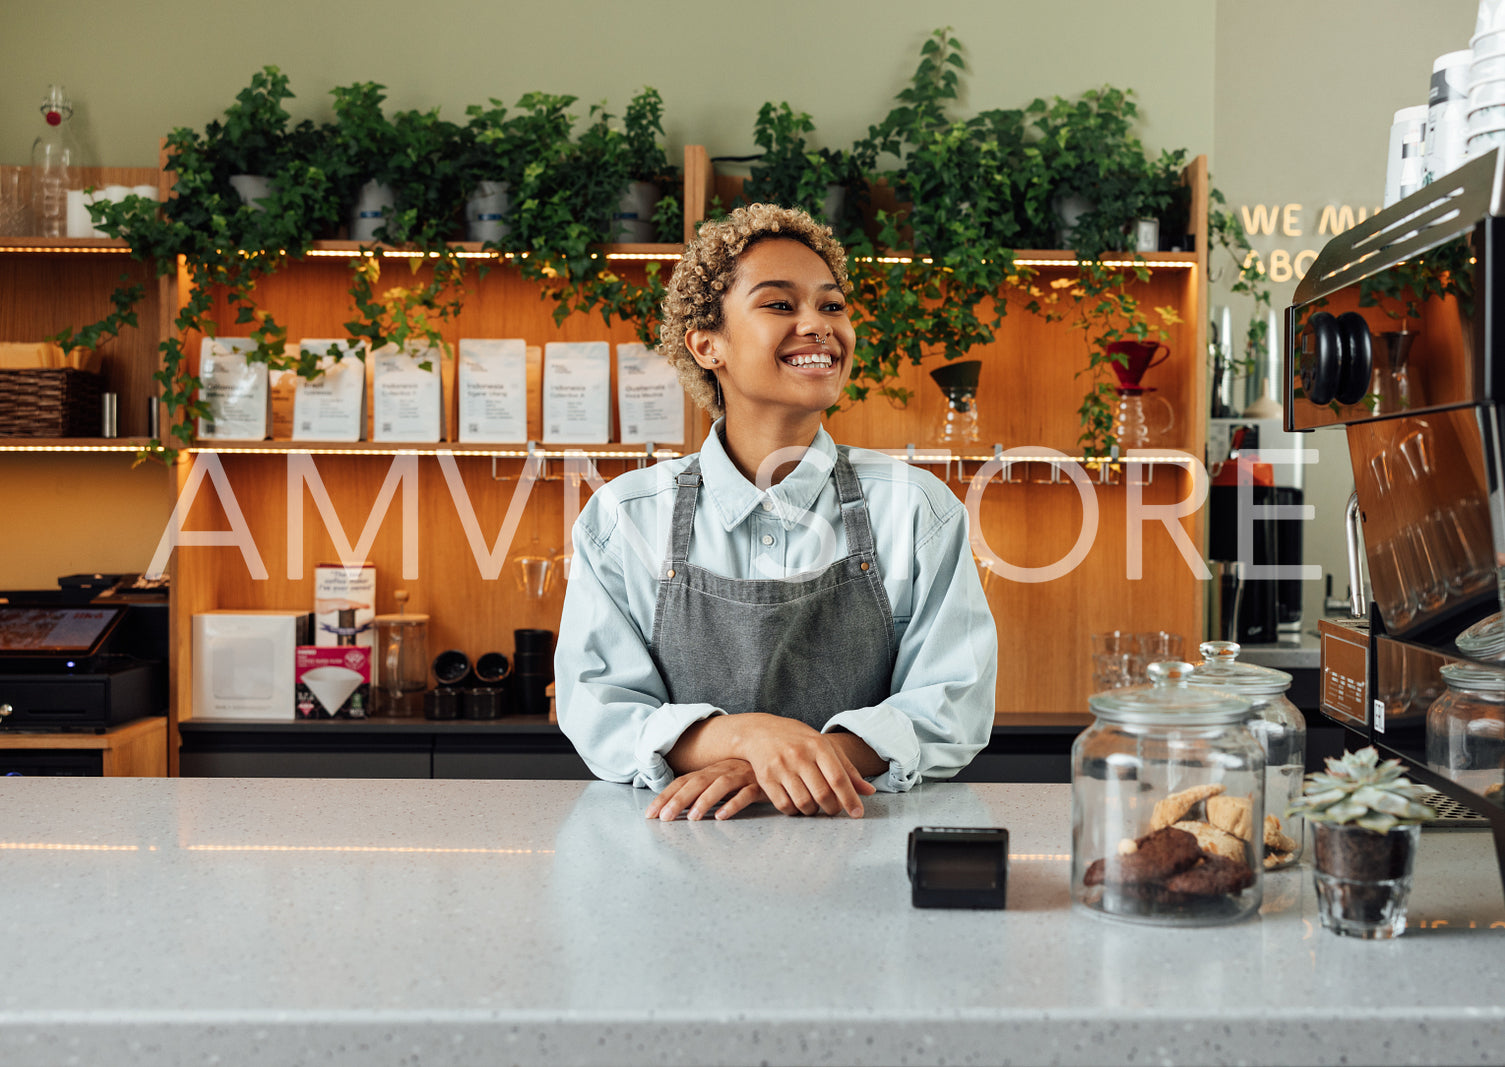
[50, 403]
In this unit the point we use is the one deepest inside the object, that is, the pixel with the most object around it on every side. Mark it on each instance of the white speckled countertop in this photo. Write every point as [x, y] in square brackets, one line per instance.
[288, 921]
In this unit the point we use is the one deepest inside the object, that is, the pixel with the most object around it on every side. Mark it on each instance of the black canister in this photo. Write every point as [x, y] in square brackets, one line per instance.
[442, 703]
[451, 668]
[492, 668]
[529, 696]
[485, 702]
[541, 641]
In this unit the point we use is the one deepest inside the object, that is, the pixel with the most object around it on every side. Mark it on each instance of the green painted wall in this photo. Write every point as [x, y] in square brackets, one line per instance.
[137, 70]
[1290, 99]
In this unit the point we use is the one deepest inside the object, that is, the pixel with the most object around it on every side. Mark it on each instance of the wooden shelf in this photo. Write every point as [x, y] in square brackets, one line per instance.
[73, 444]
[476, 250]
[515, 450]
[64, 245]
[137, 749]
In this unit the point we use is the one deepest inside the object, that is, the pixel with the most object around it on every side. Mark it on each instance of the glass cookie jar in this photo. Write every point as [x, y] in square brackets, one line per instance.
[1466, 729]
[1167, 786]
[1281, 730]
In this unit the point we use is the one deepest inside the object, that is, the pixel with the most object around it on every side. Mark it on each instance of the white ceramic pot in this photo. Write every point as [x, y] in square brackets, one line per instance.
[1071, 208]
[373, 204]
[834, 203]
[252, 189]
[634, 217]
[486, 212]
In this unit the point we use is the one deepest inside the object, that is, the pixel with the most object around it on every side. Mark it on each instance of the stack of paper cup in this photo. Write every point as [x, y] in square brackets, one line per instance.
[1403, 169]
[1447, 114]
[1486, 81]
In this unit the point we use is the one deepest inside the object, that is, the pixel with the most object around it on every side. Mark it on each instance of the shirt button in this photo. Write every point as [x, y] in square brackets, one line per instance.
[768, 505]
[768, 539]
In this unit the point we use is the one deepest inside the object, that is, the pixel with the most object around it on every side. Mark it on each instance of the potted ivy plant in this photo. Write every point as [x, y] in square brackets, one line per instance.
[641, 216]
[791, 173]
[1366, 819]
[251, 141]
[360, 152]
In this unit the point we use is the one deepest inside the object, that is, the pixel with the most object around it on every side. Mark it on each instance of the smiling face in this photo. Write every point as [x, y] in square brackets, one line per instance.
[784, 349]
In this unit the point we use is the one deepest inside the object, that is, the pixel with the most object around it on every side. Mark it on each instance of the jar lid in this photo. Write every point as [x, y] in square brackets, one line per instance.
[1485, 639]
[1472, 676]
[1168, 700]
[1221, 669]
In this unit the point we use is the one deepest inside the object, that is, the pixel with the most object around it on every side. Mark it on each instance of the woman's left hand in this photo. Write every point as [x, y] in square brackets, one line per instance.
[699, 791]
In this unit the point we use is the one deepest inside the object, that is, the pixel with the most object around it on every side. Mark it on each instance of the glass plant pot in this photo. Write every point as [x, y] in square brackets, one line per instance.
[1363, 878]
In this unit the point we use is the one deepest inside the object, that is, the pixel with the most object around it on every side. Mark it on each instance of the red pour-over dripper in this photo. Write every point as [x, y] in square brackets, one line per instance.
[1138, 357]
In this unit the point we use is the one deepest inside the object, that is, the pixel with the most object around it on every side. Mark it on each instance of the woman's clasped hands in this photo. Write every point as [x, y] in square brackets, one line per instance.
[740, 760]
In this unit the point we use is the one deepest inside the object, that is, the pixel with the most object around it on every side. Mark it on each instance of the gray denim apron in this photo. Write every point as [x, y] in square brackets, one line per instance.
[805, 648]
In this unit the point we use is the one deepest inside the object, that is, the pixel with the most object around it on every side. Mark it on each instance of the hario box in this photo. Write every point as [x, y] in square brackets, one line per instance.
[243, 663]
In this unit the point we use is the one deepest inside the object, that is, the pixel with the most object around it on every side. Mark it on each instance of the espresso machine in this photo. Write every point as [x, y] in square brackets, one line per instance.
[1397, 334]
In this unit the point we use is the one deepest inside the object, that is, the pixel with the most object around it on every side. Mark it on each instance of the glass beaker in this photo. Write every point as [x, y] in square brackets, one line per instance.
[959, 424]
[400, 663]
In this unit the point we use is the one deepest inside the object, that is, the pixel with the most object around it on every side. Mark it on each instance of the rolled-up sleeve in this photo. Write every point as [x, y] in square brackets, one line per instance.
[940, 713]
[612, 703]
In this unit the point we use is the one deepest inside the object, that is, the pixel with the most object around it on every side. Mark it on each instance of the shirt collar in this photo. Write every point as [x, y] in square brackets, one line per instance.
[734, 497]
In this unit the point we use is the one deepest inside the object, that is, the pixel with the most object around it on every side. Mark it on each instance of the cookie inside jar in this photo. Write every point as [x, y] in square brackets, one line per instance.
[1168, 820]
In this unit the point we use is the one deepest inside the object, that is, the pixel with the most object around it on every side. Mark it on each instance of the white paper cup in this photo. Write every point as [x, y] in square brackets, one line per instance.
[1481, 144]
[1486, 68]
[1447, 114]
[1403, 165]
[1486, 94]
[1487, 44]
[1491, 17]
[1486, 118]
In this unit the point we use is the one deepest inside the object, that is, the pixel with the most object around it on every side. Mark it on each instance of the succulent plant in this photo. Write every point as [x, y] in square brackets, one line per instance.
[1359, 789]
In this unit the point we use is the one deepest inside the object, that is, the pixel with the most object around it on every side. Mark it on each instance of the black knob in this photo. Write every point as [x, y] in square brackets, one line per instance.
[1321, 358]
[1357, 352]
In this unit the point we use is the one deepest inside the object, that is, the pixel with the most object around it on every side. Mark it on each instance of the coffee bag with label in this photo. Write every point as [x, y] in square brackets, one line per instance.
[650, 401]
[332, 405]
[493, 390]
[235, 388]
[407, 395]
[577, 392]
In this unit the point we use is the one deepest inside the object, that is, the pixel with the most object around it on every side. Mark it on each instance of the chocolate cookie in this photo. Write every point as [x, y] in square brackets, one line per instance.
[1161, 854]
[1214, 876]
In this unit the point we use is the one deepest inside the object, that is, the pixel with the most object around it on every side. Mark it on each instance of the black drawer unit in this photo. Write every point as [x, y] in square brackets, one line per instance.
[54, 763]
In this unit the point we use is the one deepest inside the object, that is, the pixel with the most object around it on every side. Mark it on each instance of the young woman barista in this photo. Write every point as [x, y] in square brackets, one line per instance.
[775, 618]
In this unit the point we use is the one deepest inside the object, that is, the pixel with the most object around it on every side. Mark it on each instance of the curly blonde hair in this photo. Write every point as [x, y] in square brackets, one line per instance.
[709, 267]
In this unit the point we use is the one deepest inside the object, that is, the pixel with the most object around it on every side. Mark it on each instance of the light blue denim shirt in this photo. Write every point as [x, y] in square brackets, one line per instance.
[612, 703]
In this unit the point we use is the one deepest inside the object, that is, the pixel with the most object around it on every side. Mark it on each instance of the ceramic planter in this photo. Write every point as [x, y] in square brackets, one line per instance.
[486, 212]
[634, 218]
[1363, 878]
[252, 189]
[373, 204]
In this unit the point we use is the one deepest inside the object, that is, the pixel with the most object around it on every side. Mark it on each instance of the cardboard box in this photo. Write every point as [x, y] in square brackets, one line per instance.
[332, 683]
[243, 663]
[344, 604]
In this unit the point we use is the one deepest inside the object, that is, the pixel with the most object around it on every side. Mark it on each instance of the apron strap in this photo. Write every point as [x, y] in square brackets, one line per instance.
[688, 482]
[854, 516]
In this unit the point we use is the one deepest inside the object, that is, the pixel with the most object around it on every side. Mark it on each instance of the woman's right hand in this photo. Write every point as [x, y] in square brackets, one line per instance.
[730, 782]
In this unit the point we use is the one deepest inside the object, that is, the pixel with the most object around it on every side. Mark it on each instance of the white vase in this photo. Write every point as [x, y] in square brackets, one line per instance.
[634, 217]
[252, 189]
[834, 203]
[372, 206]
[486, 212]
[1071, 208]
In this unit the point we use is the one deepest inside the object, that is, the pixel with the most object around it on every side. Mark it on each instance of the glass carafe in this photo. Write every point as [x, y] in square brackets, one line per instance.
[400, 663]
[959, 425]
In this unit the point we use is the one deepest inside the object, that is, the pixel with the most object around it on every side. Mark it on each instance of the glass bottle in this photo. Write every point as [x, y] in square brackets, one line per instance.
[1281, 730]
[54, 162]
[1160, 758]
